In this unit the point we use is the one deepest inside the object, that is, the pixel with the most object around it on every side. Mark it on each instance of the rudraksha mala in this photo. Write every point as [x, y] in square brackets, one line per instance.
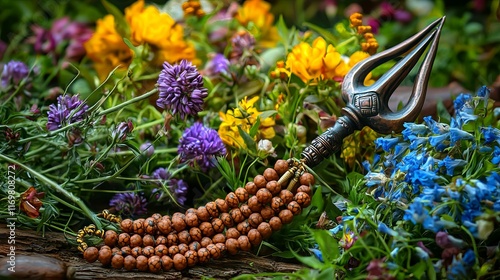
[241, 221]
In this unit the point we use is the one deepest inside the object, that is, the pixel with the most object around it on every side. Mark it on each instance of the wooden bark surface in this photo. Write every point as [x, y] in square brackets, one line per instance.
[54, 245]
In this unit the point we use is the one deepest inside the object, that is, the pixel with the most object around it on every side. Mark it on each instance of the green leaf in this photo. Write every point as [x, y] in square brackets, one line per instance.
[431, 271]
[317, 200]
[326, 274]
[267, 114]
[282, 28]
[327, 244]
[327, 35]
[419, 269]
[331, 210]
[121, 24]
[249, 142]
[130, 45]
[310, 261]
[255, 128]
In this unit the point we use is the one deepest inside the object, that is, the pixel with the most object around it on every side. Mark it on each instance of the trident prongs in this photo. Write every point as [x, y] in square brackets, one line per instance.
[368, 105]
[377, 114]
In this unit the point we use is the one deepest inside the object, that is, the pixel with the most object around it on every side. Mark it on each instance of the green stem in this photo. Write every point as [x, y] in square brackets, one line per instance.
[473, 240]
[18, 89]
[128, 152]
[34, 152]
[58, 189]
[348, 41]
[98, 160]
[49, 170]
[149, 124]
[128, 102]
[110, 110]
[51, 133]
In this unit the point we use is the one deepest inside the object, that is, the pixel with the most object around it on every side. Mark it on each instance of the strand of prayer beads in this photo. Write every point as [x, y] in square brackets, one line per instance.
[241, 221]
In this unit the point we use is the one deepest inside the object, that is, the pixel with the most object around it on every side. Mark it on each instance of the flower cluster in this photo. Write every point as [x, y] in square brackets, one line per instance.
[69, 109]
[439, 177]
[214, 93]
[316, 61]
[255, 15]
[200, 146]
[181, 89]
[243, 118]
[63, 31]
[177, 188]
[147, 26]
[370, 44]
[129, 204]
[13, 73]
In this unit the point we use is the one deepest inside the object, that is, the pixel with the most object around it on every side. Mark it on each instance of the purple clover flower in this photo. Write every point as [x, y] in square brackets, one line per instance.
[200, 144]
[178, 187]
[218, 65]
[181, 89]
[13, 72]
[129, 204]
[122, 130]
[147, 148]
[63, 32]
[69, 109]
[242, 43]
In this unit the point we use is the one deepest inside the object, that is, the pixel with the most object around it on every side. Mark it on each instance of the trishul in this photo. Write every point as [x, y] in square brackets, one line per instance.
[368, 105]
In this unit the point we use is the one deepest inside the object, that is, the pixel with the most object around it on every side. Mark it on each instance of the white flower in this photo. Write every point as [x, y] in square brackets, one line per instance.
[265, 147]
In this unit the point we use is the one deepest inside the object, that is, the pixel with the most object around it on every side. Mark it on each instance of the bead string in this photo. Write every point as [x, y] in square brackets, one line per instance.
[241, 221]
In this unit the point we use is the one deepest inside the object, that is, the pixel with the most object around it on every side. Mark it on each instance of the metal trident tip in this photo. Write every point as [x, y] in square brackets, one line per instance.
[369, 105]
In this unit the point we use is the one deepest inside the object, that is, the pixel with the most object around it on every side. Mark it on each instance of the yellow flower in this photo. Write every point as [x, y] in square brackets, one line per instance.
[258, 13]
[318, 61]
[370, 44]
[148, 26]
[192, 8]
[244, 117]
[106, 48]
[315, 61]
[165, 37]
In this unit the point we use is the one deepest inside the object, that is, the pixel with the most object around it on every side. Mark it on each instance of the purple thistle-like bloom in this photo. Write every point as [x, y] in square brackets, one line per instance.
[129, 204]
[218, 65]
[13, 72]
[200, 144]
[161, 174]
[181, 89]
[178, 188]
[68, 110]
